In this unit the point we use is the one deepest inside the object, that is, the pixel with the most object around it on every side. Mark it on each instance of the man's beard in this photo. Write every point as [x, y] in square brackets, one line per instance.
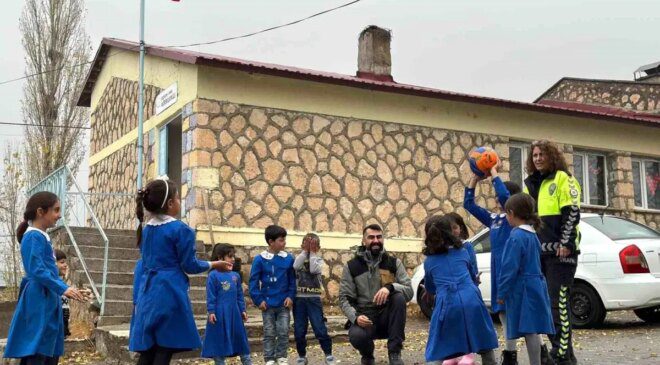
[375, 249]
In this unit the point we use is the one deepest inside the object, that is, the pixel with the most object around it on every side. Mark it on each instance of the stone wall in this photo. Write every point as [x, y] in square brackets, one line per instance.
[117, 110]
[642, 97]
[312, 172]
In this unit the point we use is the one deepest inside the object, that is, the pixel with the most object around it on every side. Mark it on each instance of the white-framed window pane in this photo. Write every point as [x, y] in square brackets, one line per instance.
[652, 178]
[578, 168]
[596, 172]
[637, 183]
[162, 151]
[516, 166]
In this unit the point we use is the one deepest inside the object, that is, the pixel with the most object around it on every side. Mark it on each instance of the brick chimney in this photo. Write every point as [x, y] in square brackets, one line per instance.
[374, 58]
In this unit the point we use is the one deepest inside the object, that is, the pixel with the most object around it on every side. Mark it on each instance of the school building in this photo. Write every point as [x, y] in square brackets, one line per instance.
[254, 144]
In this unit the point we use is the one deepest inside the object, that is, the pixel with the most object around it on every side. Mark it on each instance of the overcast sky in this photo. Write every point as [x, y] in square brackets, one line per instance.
[513, 49]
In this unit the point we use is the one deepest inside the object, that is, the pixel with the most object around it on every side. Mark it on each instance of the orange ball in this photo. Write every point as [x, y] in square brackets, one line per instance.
[482, 159]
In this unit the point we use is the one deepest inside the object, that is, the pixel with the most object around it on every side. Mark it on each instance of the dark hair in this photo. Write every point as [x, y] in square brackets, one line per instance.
[59, 255]
[555, 157]
[523, 206]
[222, 250]
[438, 236]
[274, 232]
[44, 200]
[153, 199]
[458, 220]
[373, 227]
[512, 187]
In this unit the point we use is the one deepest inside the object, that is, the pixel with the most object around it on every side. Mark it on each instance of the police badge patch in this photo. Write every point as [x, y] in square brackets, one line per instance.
[552, 188]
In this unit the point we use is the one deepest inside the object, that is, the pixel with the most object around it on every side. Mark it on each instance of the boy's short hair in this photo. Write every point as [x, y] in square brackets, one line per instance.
[512, 187]
[222, 250]
[373, 227]
[59, 255]
[274, 232]
[313, 237]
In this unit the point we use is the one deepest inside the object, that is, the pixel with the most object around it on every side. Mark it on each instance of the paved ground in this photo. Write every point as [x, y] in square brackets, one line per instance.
[623, 339]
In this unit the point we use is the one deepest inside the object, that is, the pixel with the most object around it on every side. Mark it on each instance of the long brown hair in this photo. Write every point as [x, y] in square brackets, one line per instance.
[153, 199]
[438, 236]
[555, 157]
[44, 200]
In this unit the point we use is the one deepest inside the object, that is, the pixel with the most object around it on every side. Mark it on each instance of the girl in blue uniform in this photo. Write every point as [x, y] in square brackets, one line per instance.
[522, 287]
[460, 323]
[499, 233]
[225, 333]
[36, 334]
[162, 322]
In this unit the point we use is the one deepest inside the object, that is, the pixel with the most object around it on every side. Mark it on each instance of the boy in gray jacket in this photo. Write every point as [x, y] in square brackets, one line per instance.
[307, 306]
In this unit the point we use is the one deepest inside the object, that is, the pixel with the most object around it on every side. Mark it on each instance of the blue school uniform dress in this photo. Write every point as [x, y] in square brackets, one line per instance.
[523, 287]
[37, 326]
[500, 229]
[224, 297]
[460, 323]
[163, 313]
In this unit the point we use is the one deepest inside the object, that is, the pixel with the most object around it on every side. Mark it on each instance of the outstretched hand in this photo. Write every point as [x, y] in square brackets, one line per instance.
[74, 294]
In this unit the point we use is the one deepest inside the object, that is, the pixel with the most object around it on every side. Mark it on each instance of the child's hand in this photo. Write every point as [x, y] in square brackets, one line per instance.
[212, 318]
[221, 265]
[244, 316]
[493, 170]
[263, 306]
[314, 247]
[288, 303]
[74, 294]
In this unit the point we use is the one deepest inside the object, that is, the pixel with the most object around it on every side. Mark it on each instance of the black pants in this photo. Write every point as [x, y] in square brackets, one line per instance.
[559, 276]
[156, 356]
[389, 324]
[39, 360]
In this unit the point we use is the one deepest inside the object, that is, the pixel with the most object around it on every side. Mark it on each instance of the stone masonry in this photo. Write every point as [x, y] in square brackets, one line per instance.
[322, 173]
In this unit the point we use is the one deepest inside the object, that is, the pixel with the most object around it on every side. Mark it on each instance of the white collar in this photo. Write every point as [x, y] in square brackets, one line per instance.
[160, 219]
[269, 256]
[527, 227]
[30, 228]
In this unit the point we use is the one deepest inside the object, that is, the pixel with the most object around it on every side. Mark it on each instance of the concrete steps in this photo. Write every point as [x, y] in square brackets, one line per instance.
[112, 341]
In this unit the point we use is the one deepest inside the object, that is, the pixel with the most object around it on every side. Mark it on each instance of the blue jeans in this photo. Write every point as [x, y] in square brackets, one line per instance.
[276, 332]
[245, 360]
[310, 310]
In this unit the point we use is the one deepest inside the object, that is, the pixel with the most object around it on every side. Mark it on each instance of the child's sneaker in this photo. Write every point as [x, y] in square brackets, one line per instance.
[467, 360]
[271, 362]
[301, 361]
[282, 361]
[453, 361]
[330, 360]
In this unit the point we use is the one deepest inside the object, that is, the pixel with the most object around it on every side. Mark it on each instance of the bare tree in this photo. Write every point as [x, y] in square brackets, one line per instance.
[12, 195]
[57, 50]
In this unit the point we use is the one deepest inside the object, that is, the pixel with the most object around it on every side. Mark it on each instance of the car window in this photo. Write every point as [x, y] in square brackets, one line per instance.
[481, 244]
[616, 228]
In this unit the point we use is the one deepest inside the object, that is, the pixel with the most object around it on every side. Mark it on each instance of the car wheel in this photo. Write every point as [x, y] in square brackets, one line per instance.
[586, 307]
[650, 315]
[426, 304]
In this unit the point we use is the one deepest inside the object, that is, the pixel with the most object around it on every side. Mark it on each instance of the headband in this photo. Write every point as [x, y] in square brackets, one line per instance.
[164, 179]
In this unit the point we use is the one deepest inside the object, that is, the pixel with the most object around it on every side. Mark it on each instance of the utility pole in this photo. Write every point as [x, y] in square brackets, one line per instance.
[140, 147]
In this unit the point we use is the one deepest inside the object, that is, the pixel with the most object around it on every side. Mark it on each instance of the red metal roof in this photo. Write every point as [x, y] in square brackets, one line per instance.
[199, 58]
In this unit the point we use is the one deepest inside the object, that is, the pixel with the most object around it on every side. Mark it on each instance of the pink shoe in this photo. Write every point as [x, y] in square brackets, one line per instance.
[453, 361]
[467, 360]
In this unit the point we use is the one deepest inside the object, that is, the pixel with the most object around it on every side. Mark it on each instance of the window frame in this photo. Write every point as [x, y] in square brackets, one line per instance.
[642, 172]
[524, 150]
[586, 198]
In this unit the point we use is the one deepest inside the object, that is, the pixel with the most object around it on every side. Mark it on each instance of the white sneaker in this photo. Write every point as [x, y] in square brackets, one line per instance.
[270, 362]
[301, 361]
[282, 361]
[330, 360]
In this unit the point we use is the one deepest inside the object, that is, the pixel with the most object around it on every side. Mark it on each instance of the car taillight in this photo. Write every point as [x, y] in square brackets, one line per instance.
[633, 261]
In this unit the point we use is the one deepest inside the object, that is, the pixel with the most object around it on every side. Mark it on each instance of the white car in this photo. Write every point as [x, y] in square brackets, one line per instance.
[618, 268]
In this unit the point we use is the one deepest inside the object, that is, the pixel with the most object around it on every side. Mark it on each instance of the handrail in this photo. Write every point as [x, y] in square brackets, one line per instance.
[56, 182]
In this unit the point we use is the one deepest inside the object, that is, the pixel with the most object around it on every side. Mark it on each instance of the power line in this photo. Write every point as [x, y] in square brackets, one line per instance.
[189, 45]
[267, 29]
[46, 125]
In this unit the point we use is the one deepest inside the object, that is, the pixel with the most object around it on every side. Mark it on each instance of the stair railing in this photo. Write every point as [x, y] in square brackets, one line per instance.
[58, 183]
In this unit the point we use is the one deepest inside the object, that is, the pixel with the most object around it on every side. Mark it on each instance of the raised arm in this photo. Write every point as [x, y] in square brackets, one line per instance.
[483, 215]
[187, 254]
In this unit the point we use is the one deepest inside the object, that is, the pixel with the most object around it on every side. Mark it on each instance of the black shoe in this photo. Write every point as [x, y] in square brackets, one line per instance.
[395, 358]
[509, 357]
[368, 361]
[573, 359]
[546, 359]
[563, 361]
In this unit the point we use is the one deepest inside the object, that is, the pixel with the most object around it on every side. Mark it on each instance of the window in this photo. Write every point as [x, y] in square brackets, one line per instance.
[616, 228]
[590, 173]
[481, 243]
[517, 160]
[646, 176]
